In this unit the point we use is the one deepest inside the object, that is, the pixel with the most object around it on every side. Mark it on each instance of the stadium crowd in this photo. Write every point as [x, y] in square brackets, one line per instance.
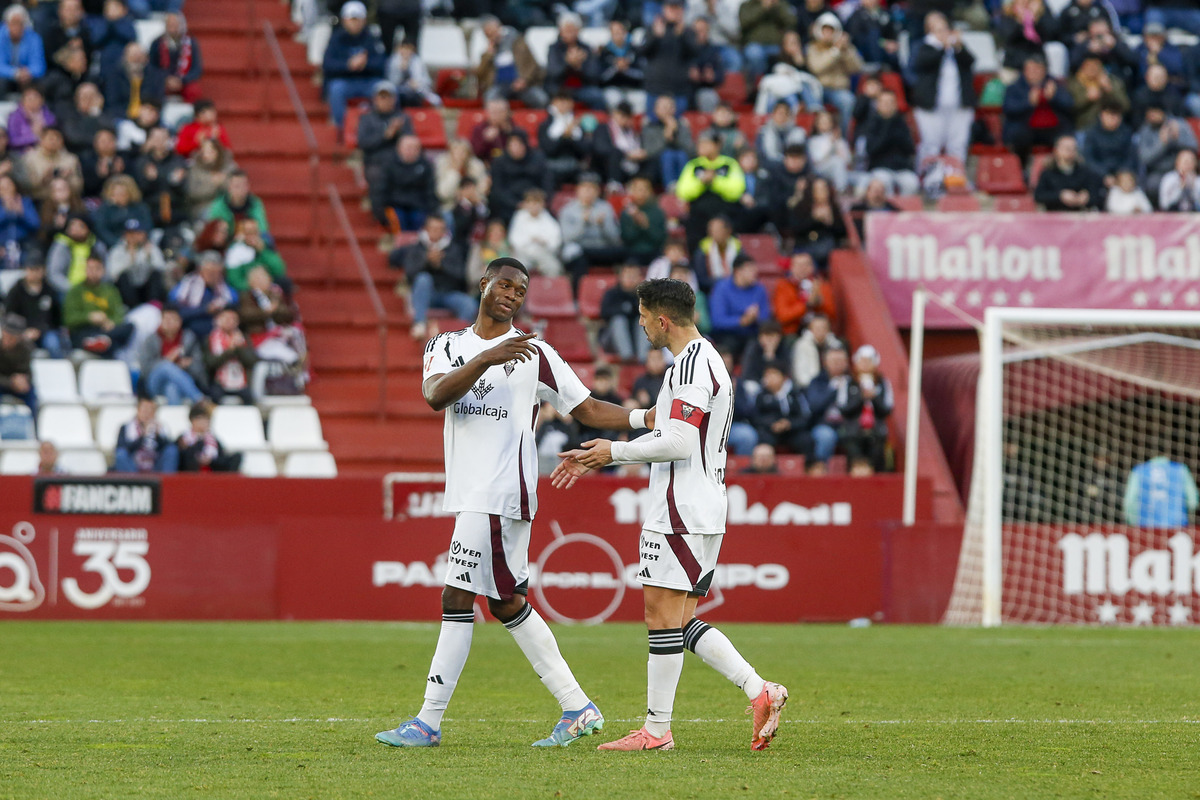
[126, 235]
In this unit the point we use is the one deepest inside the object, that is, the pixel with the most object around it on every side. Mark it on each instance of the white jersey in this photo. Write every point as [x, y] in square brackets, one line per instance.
[491, 457]
[688, 495]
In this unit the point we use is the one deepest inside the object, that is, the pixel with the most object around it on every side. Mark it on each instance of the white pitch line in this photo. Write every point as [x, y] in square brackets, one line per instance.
[325, 720]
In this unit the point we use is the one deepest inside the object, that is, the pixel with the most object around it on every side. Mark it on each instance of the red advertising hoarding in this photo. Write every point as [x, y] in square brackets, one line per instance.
[218, 547]
[1148, 261]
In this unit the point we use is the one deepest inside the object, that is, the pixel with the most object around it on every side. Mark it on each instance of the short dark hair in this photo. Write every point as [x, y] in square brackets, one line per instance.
[497, 264]
[199, 410]
[674, 299]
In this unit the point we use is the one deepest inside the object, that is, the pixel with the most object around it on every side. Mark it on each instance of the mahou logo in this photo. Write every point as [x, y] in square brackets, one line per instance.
[1097, 564]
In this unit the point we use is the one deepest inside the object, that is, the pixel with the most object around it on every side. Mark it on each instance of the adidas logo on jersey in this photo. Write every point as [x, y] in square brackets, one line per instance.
[465, 577]
[437, 679]
[458, 362]
[481, 389]
[645, 573]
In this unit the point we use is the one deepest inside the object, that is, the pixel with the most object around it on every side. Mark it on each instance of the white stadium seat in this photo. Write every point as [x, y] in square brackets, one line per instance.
[54, 381]
[292, 428]
[9, 277]
[176, 113]
[983, 47]
[148, 30]
[443, 46]
[82, 462]
[539, 40]
[239, 428]
[103, 383]
[318, 39]
[66, 426]
[310, 465]
[174, 420]
[259, 464]
[109, 422]
[19, 462]
[595, 38]
[476, 46]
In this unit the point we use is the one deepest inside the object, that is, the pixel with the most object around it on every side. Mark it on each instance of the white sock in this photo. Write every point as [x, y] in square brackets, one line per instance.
[715, 649]
[537, 642]
[454, 643]
[662, 679]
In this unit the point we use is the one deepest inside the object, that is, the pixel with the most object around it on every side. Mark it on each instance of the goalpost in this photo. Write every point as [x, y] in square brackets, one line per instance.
[1087, 435]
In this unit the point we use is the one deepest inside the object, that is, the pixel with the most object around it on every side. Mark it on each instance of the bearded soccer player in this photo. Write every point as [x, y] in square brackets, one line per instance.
[491, 379]
[685, 520]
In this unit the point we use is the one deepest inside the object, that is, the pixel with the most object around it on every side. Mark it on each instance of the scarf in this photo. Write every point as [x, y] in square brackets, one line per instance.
[209, 447]
[184, 64]
[169, 345]
[231, 375]
[429, 244]
[145, 438]
[720, 263]
[1028, 23]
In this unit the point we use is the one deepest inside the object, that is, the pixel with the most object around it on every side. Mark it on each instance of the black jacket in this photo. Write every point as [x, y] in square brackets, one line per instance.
[889, 143]
[791, 405]
[1011, 36]
[41, 310]
[927, 67]
[560, 74]
[511, 179]
[450, 276]
[372, 134]
[667, 59]
[410, 185]
[1053, 181]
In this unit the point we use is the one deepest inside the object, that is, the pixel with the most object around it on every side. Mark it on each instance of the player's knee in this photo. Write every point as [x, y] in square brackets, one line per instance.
[454, 599]
[504, 610]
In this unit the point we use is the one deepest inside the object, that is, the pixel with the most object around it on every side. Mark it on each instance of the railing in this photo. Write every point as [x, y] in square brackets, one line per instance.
[310, 138]
[343, 221]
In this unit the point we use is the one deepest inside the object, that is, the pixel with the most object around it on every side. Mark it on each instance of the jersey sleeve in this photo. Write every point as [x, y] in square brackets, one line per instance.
[692, 391]
[557, 382]
[436, 360]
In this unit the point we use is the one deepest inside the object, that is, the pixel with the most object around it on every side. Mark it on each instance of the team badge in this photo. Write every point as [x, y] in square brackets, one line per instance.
[686, 410]
[481, 389]
[509, 366]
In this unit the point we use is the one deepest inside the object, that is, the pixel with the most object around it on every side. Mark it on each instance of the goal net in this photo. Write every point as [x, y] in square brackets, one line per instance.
[1082, 497]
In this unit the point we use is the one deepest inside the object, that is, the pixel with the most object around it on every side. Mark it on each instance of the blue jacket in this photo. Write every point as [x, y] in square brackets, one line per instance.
[1160, 494]
[342, 47]
[19, 226]
[109, 39]
[1109, 151]
[1018, 109]
[729, 301]
[30, 54]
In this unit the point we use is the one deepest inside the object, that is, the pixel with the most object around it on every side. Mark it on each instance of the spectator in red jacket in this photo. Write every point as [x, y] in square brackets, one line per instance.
[204, 126]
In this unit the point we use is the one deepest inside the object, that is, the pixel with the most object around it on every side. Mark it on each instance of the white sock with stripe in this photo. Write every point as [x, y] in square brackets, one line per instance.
[662, 678]
[537, 642]
[715, 649]
[454, 644]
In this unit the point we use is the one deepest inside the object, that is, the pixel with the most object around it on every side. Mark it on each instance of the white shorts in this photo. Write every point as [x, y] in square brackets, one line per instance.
[683, 561]
[489, 555]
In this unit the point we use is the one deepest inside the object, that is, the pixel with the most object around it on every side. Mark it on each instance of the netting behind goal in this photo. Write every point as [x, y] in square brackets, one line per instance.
[1081, 501]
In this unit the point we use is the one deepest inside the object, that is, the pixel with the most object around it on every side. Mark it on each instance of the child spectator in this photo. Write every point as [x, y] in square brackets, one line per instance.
[229, 358]
[1125, 197]
[143, 445]
[864, 432]
[828, 152]
[203, 127]
[647, 385]
[407, 72]
[199, 450]
[717, 254]
[469, 213]
[789, 80]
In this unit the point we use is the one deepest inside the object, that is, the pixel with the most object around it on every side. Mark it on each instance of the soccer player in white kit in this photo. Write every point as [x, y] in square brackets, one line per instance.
[685, 520]
[491, 379]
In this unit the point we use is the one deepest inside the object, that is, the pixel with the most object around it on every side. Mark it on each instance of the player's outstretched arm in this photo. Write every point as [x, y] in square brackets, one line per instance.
[443, 390]
[568, 471]
[605, 416]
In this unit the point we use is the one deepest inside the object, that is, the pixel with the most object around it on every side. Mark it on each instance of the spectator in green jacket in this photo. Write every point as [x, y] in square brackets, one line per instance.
[237, 203]
[94, 313]
[711, 184]
[249, 250]
[643, 224]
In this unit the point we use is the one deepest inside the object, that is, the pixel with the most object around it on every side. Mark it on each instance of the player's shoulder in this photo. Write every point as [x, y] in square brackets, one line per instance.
[447, 338]
[697, 363]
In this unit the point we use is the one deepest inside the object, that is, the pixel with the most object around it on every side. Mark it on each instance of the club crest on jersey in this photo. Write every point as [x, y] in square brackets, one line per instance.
[509, 366]
[481, 389]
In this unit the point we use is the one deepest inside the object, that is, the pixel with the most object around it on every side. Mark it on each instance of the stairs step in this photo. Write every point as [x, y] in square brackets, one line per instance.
[351, 396]
[357, 439]
[358, 349]
[279, 139]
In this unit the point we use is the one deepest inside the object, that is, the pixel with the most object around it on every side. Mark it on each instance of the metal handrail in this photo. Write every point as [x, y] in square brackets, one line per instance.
[356, 255]
[310, 138]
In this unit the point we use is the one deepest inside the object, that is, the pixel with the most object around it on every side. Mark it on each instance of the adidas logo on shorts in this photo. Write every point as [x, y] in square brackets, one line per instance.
[437, 679]
[465, 577]
[645, 573]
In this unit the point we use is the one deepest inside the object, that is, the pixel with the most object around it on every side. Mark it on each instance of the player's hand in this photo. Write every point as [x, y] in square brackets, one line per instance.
[518, 347]
[568, 471]
[594, 454]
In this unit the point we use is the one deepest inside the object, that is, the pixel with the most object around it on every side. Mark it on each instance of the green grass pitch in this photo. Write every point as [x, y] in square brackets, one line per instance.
[233, 710]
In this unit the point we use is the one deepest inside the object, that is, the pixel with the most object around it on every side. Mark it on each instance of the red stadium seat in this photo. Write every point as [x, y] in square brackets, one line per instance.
[550, 297]
[763, 248]
[1000, 173]
[618, 201]
[749, 124]
[447, 85]
[733, 89]
[893, 81]
[1014, 203]
[673, 207]
[570, 338]
[528, 120]
[560, 199]
[804, 119]
[959, 202]
[591, 292]
[1037, 163]
[628, 374]
[908, 202]
[1195, 123]
[467, 120]
[994, 121]
[790, 465]
[429, 127]
[697, 121]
